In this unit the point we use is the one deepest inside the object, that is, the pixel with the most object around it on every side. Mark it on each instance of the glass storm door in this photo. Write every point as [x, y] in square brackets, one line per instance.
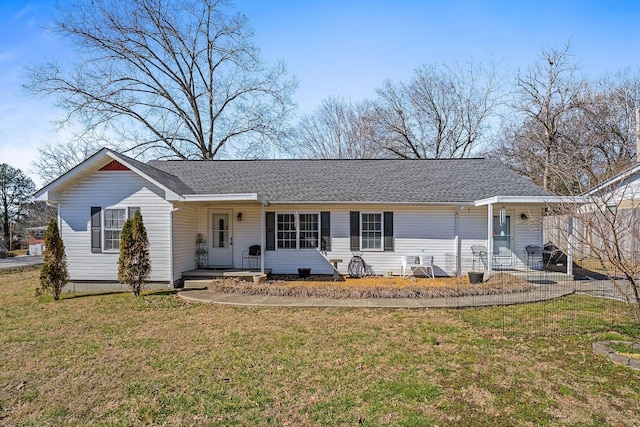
[220, 239]
[502, 236]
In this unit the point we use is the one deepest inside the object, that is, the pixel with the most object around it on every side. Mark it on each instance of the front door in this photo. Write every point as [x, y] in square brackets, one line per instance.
[220, 239]
[502, 254]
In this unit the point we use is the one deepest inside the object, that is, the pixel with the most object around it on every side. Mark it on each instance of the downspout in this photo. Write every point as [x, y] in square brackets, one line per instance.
[171, 260]
[489, 238]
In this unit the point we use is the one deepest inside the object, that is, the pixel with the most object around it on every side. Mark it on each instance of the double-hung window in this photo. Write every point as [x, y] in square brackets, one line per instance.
[371, 231]
[309, 231]
[297, 231]
[286, 228]
[114, 219]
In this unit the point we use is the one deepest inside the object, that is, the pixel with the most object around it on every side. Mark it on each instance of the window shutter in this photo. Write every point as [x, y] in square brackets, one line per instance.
[355, 230]
[95, 230]
[388, 231]
[325, 231]
[132, 212]
[270, 218]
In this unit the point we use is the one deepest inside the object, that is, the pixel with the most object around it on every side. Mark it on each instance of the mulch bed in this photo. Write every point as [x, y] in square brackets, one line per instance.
[378, 287]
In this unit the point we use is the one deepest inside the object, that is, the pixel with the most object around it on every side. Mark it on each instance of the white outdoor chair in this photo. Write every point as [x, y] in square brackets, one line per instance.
[408, 263]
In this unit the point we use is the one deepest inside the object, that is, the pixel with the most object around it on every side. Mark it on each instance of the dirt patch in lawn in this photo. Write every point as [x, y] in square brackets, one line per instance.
[374, 287]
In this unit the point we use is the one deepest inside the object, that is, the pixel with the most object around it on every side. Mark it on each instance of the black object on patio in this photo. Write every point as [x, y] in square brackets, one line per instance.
[553, 255]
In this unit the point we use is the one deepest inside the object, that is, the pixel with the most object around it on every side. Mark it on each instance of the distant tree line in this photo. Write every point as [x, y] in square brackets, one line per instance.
[564, 132]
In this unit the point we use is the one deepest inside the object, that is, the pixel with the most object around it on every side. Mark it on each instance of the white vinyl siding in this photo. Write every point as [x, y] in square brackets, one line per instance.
[112, 189]
[185, 231]
[416, 228]
[429, 228]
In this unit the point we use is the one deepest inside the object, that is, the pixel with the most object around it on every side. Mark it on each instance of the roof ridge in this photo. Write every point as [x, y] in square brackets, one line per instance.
[316, 160]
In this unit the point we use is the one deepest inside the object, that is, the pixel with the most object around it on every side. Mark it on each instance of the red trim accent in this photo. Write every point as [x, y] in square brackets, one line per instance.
[114, 165]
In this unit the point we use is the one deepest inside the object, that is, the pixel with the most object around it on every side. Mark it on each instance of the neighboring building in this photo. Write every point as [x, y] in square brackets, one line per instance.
[35, 240]
[302, 212]
[608, 219]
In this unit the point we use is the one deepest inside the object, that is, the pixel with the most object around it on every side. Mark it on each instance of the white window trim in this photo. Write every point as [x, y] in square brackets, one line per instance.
[103, 209]
[297, 226]
[381, 249]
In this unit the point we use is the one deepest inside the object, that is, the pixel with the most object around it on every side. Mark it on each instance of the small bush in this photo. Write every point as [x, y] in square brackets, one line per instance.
[53, 274]
[134, 265]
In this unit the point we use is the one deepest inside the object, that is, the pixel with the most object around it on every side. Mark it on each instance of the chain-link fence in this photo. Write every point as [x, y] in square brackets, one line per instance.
[545, 300]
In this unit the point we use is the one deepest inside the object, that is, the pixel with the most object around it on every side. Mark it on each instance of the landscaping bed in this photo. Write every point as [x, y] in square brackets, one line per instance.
[374, 287]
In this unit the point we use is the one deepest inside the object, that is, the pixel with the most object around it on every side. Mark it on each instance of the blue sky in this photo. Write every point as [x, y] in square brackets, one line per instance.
[345, 48]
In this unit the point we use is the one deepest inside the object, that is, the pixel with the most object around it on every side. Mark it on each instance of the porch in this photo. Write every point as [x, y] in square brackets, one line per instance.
[218, 273]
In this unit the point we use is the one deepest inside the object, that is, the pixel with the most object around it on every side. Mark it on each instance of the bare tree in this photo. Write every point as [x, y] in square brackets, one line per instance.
[603, 233]
[336, 130]
[546, 96]
[171, 78]
[569, 134]
[608, 125]
[56, 159]
[443, 112]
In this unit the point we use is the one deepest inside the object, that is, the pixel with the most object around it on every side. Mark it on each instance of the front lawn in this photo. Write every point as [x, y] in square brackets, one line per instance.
[115, 360]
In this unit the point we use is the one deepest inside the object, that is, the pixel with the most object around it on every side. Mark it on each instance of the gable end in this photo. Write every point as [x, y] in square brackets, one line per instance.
[114, 165]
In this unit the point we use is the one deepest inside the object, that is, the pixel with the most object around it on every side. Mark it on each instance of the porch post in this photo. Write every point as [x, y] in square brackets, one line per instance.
[570, 246]
[489, 237]
[457, 243]
[263, 240]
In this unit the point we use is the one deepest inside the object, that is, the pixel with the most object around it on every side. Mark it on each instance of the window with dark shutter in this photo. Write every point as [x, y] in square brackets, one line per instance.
[354, 230]
[388, 231]
[132, 212]
[325, 231]
[95, 230]
[270, 219]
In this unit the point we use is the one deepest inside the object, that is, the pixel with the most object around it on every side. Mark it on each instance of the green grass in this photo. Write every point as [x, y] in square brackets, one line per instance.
[112, 359]
[625, 348]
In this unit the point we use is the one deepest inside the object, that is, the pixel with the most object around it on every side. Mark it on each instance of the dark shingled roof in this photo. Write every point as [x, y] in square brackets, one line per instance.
[357, 181]
[172, 182]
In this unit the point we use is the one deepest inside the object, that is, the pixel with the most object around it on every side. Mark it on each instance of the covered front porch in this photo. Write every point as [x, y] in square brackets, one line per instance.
[515, 234]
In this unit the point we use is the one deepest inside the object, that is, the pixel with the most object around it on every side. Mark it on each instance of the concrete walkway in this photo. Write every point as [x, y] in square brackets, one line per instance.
[541, 293]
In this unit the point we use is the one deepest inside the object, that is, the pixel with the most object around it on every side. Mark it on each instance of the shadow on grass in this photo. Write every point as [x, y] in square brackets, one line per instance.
[146, 294]
[19, 269]
[75, 295]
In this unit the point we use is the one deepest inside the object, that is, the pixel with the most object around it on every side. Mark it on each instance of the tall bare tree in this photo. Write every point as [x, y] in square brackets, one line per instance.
[546, 95]
[336, 130]
[608, 125]
[171, 78]
[443, 112]
[568, 134]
